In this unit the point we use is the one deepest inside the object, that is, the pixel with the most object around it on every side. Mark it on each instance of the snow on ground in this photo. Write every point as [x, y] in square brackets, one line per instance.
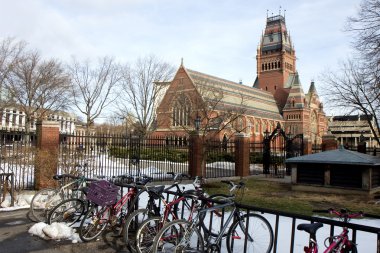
[55, 231]
[22, 200]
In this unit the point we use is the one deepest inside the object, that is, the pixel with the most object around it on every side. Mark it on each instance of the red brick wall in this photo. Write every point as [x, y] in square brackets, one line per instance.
[47, 154]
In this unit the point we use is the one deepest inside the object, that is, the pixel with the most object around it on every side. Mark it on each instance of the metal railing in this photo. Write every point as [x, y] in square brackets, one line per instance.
[285, 241]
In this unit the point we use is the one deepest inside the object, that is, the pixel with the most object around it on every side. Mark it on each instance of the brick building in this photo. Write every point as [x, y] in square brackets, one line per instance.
[225, 107]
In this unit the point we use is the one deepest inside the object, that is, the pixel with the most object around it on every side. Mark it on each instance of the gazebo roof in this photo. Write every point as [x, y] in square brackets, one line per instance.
[337, 156]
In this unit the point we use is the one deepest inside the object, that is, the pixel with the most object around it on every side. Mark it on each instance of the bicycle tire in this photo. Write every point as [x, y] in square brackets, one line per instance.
[69, 211]
[131, 225]
[146, 233]
[353, 248]
[259, 229]
[174, 233]
[42, 202]
[93, 223]
[211, 222]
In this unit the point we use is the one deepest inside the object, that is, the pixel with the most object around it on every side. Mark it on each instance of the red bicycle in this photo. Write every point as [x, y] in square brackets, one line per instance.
[105, 212]
[334, 244]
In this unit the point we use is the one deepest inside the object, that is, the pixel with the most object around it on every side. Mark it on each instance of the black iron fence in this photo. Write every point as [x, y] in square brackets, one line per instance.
[220, 159]
[17, 153]
[285, 233]
[255, 158]
[112, 155]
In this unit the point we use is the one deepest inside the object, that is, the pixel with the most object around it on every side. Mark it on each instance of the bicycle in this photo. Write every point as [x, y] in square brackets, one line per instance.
[108, 213]
[248, 233]
[46, 199]
[71, 210]
[151, 209]
[338, 243]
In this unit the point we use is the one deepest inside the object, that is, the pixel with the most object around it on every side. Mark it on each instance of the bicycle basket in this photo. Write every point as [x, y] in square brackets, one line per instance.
[102, 193]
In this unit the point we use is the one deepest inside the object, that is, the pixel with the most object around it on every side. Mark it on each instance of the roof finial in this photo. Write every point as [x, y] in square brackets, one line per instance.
[267, 13]
[284, 13]
[182, 62]
[279, 11]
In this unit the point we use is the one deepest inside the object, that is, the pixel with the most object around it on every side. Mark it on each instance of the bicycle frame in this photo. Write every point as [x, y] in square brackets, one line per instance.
[339, 242]
[116, 208]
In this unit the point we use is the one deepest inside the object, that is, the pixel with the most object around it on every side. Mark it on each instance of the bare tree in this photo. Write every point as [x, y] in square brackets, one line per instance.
[365, 28]
[353, 89]
[10, 53]
[39, 87]
[140, 94]
[93, 86]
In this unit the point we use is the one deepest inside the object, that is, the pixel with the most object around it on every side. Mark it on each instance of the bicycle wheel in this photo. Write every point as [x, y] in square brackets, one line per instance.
[68, 211]
[350, 248]
[177, 236]
[258, 236]
[43, 201]
[212, 221]
[131, 225]
[93, 223]
[146, 233]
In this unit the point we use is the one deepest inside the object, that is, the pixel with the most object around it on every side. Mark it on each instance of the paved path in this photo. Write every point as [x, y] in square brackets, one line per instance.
[14, 238]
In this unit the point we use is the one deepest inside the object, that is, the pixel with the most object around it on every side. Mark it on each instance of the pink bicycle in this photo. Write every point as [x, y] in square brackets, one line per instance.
[334, 244]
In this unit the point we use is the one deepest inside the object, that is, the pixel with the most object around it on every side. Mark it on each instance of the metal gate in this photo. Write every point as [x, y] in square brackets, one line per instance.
[279, 146]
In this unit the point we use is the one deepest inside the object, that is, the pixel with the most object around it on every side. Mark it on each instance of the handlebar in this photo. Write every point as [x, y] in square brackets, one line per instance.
[344, 214]
[233, 186]
[178, 176]
[60, 177]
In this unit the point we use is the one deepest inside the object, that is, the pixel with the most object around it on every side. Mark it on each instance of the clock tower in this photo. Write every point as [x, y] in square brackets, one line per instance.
[276, 60]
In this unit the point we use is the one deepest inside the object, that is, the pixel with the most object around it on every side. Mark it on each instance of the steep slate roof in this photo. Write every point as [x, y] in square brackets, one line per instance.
[338, 156]
[296, 92]
[256, 102]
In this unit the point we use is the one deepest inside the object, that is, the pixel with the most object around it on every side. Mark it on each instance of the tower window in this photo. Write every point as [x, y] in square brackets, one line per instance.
[266, 87]
[275, 87]
[262, 66]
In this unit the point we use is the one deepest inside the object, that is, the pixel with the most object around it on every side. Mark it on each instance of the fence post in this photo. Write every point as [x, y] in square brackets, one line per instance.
[307, 146]
[329, 142]
[241, 155]
[196, 155]
[46, 161]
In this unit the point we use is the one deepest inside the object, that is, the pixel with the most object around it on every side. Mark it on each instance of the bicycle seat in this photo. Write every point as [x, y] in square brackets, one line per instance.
[310, 228]
[157, 190]
[194, 194]
[57, 177]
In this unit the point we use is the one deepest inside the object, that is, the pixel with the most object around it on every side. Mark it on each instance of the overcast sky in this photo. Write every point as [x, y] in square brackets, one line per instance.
[217, 37]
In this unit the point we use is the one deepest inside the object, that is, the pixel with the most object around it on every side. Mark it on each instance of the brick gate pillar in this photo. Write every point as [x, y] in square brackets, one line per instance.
[329, 142]
[241, 155]
[46, 161]
[307, 146]
[196, 155]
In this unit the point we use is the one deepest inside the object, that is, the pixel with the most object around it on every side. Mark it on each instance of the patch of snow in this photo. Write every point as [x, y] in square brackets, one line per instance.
[57, 231]
[37, 228]
[22, 201]
[54, 231]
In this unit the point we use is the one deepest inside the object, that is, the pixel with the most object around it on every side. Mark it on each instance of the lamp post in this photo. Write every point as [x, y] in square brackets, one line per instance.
[197, 123]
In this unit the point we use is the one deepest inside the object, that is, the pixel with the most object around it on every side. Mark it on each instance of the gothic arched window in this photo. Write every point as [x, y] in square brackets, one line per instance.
[181, 111]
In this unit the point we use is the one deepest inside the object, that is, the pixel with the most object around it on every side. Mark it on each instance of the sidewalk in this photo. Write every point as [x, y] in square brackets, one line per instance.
[14, 238]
